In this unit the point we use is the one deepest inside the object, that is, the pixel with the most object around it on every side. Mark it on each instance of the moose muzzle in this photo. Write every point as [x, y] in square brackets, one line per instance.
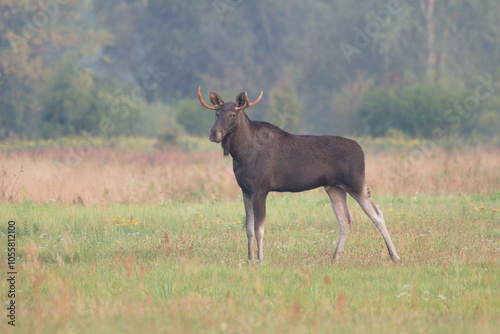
[216, 135]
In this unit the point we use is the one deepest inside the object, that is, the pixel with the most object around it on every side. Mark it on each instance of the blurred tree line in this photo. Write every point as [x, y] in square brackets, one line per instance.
[132, 67]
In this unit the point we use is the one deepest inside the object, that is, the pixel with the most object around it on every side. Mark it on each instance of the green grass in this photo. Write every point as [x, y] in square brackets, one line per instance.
[182, 268]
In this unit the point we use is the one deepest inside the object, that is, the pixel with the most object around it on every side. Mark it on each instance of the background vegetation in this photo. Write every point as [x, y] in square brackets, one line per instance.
[331, 67]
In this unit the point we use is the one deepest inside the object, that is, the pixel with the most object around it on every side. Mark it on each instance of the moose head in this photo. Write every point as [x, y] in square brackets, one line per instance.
[227, 113]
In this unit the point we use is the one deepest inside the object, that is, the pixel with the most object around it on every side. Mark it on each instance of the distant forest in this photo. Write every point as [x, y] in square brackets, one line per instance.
[415, 68]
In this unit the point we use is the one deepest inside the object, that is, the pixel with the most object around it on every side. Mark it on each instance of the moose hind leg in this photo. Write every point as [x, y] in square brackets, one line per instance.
[339, 204]
[375, 214]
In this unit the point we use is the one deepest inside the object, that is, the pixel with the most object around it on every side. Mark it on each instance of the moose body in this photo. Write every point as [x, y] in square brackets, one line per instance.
[266, 158]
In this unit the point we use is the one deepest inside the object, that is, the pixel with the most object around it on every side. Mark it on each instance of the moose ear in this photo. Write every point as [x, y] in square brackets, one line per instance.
[216, 99]
[241, 100]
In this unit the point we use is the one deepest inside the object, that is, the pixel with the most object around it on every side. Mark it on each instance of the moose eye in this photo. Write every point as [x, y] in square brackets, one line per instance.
[232, 115]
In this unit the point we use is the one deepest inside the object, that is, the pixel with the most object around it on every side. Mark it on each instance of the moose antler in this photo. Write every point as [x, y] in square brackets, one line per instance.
[248, 104]
[203, 102]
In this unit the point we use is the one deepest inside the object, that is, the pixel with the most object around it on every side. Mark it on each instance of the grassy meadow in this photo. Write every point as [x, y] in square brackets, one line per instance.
[159, 245]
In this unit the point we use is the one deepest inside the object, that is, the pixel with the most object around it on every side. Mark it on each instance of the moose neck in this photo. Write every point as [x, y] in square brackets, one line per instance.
[240, 140]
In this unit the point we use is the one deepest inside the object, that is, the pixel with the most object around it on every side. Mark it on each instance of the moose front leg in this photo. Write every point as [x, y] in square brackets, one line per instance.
[247, 199]
[259, 209]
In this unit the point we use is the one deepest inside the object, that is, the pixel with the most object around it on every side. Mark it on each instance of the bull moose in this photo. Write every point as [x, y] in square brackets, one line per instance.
[266, 158]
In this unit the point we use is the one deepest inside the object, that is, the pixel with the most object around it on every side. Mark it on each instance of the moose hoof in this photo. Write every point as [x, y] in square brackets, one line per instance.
[396, 259]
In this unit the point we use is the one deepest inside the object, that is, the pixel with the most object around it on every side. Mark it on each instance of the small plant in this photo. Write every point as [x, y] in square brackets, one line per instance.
[481, 210]
[119, 221]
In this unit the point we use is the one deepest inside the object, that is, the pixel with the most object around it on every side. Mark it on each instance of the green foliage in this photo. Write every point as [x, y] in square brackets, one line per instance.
[488, 118]
[375, 112]
[34, 38]
[195, 119]
[164, 123]
[417, 111]
[285, 106]
[344, 103]
[75, 100]
[169, 48]
[420, 110]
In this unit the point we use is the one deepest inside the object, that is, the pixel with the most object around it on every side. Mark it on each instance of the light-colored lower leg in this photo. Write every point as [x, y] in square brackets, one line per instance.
[380, 223]
[247, 198]
[339, 204]
[375, 214]
[259, 209]
[250, 236]
[260, 242]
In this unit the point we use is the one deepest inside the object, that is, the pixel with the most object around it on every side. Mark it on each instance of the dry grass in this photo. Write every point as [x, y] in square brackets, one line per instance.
[437, 172]
[104, 175]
